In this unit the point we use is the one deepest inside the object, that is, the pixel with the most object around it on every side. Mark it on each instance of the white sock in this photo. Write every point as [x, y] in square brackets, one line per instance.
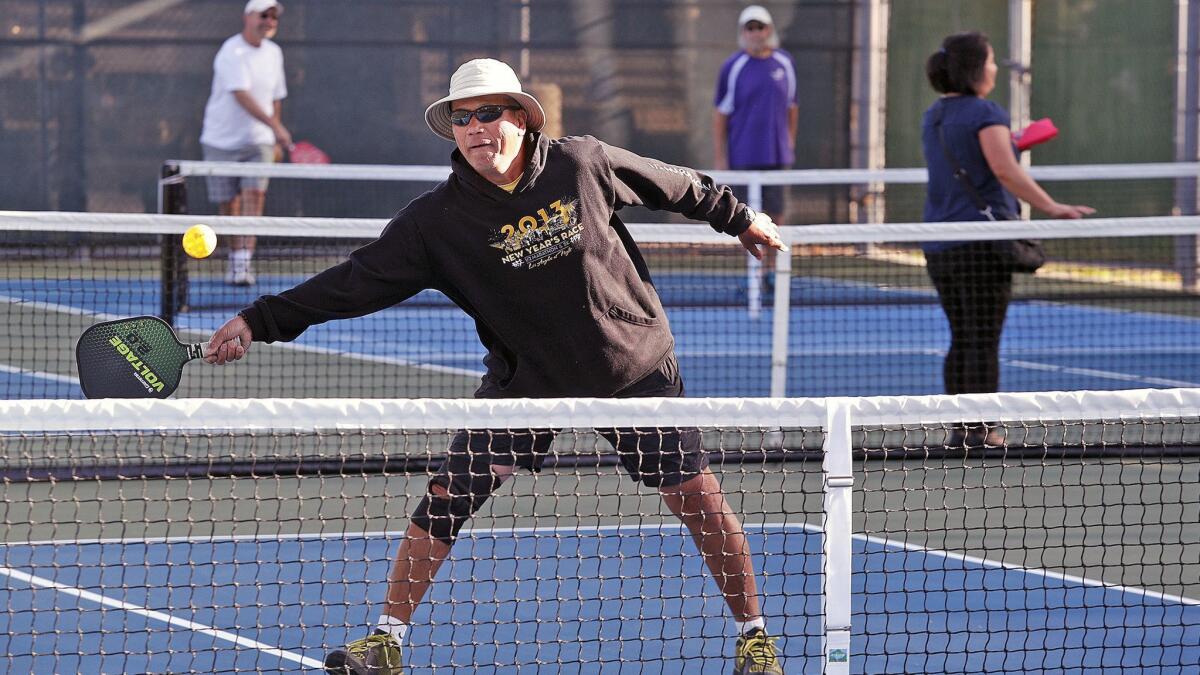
[239, 261]
[744, 627]
[392, 626]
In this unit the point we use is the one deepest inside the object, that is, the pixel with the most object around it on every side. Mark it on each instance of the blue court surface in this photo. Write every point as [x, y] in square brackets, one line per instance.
[571, 600]
[845, 338]
[634, 600]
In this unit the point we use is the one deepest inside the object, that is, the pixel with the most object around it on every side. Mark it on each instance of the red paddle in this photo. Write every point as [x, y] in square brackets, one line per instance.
[1037, 132]
[304, 152]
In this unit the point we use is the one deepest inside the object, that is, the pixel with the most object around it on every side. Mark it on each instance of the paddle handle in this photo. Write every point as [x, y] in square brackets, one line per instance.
[195, 351]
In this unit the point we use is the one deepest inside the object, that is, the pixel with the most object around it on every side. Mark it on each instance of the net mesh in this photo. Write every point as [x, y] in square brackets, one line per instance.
[249, 536]
[853, 312]
[273, 543]
[1031, 561]
[1063, 545]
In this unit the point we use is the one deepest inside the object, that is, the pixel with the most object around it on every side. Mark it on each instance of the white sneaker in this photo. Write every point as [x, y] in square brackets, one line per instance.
[243, 278]
[239, 273]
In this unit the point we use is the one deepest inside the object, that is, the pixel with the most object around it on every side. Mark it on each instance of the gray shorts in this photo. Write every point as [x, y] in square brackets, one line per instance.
[224, 188]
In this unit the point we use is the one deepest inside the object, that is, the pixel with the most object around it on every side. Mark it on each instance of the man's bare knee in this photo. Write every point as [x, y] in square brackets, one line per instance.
[502, 471]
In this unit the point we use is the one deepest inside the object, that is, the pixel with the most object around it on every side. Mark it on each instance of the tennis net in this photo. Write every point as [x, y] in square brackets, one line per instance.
[246, 536]
[853, 311]
[811, 195]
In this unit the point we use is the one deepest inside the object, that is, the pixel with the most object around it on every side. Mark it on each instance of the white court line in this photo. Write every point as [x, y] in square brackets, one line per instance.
[160, 616]
[41, 375]
[55, 377]
[305, 536]
[370, 358]
[1034, 365]
[1190, 350]
[703, 353]
[103, 316]
[1106, 374]
[55, 307]
[274, 651]
[1104, 350]
[555, 530]
[1035, 571]
[685, 353]
[312, 663]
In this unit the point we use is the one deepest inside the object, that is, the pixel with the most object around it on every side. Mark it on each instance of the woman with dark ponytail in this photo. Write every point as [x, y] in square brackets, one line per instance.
[963, 128]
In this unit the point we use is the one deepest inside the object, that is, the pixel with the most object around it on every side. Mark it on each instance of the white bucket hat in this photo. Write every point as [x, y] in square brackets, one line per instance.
[482, 77]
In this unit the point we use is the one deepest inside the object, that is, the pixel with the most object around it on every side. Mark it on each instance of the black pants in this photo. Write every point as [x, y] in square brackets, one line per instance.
[974, 289]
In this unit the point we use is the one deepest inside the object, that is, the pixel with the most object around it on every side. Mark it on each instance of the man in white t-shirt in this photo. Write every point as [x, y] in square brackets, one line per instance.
[242, 122]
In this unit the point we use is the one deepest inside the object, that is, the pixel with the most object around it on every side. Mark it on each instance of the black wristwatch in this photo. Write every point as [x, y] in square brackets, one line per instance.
[751, 214]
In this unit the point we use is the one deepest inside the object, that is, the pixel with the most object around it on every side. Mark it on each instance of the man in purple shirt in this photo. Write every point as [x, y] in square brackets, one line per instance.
[754, 123]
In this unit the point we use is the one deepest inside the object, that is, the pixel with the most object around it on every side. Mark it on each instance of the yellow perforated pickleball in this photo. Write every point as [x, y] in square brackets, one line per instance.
[199, 241]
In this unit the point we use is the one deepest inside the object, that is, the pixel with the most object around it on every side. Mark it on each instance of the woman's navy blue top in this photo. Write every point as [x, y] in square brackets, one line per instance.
[945, 199]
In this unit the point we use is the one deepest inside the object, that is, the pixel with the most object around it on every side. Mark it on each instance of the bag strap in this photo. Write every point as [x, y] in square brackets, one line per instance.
[960, 174]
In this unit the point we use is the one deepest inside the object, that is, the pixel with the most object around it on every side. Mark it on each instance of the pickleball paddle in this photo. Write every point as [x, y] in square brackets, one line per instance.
[132, 358]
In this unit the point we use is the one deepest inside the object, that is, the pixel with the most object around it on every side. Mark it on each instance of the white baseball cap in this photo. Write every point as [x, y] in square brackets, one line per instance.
[482, 77]
[256, 6]
[755, 13]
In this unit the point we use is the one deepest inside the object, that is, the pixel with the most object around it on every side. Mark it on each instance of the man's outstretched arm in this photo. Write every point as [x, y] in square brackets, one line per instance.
[640, 181]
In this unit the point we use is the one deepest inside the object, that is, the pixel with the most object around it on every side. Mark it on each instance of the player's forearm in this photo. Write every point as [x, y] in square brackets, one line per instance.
[1021, 184]
[793, 124]
[720, 142]
[251, 106]
[996, 144]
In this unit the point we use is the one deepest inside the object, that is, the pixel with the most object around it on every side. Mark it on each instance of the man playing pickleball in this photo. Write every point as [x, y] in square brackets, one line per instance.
[524, 237]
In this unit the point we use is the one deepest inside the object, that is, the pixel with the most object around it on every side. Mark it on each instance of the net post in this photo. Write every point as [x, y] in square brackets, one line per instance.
[1187, 138]
[1020, 80]
[754, 265]
[781, 310]
[836, 537]
[173, 287]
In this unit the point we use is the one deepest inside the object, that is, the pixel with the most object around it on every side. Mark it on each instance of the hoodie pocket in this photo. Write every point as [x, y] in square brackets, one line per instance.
[631, 317]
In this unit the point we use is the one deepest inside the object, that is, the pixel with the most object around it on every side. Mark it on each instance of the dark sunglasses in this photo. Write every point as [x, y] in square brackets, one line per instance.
[270, 14]
[484, 113]
[754, 25]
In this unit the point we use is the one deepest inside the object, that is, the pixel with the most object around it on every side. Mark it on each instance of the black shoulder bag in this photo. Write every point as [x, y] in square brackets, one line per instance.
[1018, 255]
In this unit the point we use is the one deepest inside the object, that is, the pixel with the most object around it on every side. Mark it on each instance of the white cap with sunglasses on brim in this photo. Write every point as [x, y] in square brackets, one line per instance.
[257, 6]
[482, 77]
[755, 13]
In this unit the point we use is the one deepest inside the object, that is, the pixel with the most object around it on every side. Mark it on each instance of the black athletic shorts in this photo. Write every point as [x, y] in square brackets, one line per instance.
[655, 457]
